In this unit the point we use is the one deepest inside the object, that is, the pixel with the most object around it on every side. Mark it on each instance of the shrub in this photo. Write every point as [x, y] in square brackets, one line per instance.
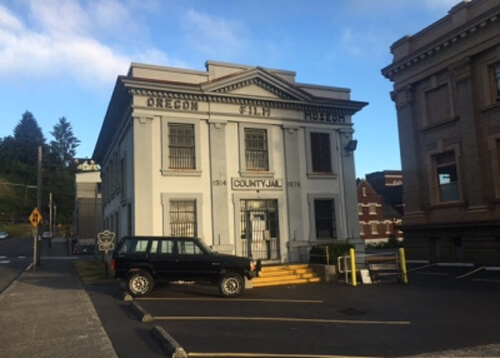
[317, 253]
[392, 243]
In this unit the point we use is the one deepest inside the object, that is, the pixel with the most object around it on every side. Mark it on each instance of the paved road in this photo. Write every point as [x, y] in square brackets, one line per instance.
[15, 255]
[436, 312]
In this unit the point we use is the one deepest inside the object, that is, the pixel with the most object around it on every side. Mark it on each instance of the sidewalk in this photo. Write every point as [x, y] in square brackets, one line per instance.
[46, 312]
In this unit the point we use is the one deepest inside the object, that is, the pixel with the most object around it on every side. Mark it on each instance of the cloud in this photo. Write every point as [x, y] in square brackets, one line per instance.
[213, 36]
[61, 38]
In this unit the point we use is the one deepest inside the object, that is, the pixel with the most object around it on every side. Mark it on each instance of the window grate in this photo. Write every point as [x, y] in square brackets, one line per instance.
[183, 218]
[326, 226]
[320, 152]
[256, 151]
[181, 145]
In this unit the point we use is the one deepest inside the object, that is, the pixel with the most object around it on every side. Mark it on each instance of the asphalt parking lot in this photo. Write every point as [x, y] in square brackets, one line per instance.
[443, 311]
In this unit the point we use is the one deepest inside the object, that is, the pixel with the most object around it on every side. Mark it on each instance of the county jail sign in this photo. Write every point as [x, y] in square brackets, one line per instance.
[106, 240]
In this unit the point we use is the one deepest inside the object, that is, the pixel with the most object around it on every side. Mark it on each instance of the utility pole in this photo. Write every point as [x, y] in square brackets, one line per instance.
[50, 220]
[39, 205]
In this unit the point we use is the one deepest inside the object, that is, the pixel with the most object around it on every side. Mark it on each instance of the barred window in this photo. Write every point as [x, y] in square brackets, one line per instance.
[181, 146]
[320, 152]
[183, 218]
[324, 212]
[256, 151]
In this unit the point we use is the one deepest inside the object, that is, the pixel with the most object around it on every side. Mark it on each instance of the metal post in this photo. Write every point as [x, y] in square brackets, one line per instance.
[39, 204]
[404, 272]
[353, 267]
[50, 220]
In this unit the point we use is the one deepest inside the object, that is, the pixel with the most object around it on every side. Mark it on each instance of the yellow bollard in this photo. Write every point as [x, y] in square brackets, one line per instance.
[404, 271]
[353, 266]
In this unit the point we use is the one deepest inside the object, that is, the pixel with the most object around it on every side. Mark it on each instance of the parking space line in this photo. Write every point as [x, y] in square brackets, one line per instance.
[485, 280]
[267, 300]
[433, 273]
[270, 355]
[421, 267]
[279, 319]
[470, 273]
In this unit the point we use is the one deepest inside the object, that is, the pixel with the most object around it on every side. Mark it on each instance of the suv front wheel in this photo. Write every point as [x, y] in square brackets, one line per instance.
[140, 283]
[231, 285]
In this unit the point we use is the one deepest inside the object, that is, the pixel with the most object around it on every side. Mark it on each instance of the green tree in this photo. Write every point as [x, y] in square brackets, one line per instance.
[63, 147]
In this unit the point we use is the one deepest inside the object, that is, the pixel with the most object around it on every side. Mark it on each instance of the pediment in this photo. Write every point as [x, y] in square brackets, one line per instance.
[256, 83]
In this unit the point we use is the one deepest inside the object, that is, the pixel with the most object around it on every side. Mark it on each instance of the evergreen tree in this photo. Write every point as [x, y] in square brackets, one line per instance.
[63, 147]
[28, 137]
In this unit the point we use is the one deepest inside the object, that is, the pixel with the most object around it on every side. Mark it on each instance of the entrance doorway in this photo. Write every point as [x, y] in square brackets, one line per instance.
[260, 229]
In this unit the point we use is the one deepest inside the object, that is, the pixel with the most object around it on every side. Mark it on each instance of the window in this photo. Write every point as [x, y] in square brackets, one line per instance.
[324, 216]
[387, 228]
[183, 218]
[446, 176]
[321, 152]
[372, 209]
[166, 247]
[364, 192]
[256, 151]
[360, 209]
[496, 82]
[181, 145]
[374, 227]
[189, 248]
[134, 245]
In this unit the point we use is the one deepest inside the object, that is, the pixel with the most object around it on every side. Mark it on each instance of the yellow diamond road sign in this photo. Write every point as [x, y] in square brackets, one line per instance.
[35, 217]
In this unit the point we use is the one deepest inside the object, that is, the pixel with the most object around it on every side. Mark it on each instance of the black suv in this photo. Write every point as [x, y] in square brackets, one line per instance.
[143, 260]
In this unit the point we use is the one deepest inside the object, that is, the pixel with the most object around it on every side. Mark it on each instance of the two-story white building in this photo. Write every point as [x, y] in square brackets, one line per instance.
[243, 157]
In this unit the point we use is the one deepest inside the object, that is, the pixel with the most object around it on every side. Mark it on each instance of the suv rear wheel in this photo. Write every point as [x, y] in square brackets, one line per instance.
[140, 283]
[231, 285]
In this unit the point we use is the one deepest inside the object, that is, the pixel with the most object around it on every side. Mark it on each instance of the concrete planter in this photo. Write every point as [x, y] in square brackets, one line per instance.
[325, 272]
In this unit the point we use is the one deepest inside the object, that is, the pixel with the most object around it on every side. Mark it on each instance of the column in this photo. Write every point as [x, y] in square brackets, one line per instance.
[219, 184]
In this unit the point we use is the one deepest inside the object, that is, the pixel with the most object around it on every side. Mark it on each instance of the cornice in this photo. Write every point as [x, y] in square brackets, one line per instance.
[447, 43]
[347, 108]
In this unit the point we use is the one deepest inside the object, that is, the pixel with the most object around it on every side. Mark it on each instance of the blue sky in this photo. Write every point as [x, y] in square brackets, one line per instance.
[61, 57]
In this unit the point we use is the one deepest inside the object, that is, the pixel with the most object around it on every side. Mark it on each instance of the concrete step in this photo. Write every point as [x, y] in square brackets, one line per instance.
[285, 275]
[258, 284]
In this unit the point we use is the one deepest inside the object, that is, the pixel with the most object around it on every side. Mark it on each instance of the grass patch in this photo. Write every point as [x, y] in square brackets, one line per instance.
[17, 230]
[92, 272]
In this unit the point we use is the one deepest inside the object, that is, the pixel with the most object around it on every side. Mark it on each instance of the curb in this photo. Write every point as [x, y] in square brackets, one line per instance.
[167, 343]
[140, 312]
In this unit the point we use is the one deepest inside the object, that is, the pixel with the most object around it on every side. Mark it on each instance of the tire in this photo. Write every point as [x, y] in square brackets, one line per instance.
[231, 285]
[139, 283]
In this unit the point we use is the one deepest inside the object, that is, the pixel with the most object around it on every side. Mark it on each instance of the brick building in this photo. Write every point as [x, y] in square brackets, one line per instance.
[378, 219]
[447, 94]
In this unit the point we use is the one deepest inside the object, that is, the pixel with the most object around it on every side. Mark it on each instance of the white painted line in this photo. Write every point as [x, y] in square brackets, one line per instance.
[21, 257]
[485, 280]
[226, 299]
[3, 257]
[270, 355]
[29, 267]
[492, 268]
[421, 267]
[433, 273]
[279, 319]
[417, 261]
[455, 264]
[4, 261]
[470, 273]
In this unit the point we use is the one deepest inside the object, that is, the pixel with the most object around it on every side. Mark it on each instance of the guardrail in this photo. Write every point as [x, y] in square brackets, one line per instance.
[390, 263]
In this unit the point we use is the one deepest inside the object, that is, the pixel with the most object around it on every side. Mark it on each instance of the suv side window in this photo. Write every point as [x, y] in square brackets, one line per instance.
[134, 246]
[189, 248]
[167, 247]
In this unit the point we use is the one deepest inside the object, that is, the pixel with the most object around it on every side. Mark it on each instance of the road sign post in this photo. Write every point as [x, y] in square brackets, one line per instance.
[106, 243]
[35, 219]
